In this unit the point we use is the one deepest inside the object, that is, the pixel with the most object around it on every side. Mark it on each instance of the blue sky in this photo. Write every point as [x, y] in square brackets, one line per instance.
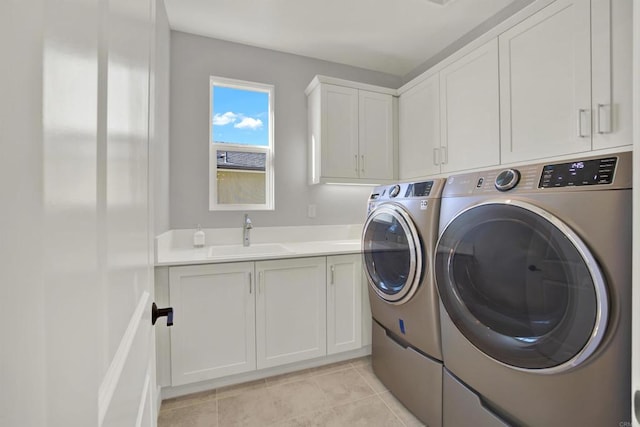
[240, 116]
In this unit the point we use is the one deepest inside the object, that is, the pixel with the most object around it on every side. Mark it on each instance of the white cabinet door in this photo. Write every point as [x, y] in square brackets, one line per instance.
[214, 314]
[470, 111]
[419, 130]
[290, 310]
[344, 303]
[611, 63]
[376, 145]
[545, 83]
[339, 134]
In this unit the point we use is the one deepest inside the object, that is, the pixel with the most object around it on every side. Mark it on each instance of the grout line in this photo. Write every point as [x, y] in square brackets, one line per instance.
[392, 411]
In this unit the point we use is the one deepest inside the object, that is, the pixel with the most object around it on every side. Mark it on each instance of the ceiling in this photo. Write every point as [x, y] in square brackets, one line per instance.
[390, 36]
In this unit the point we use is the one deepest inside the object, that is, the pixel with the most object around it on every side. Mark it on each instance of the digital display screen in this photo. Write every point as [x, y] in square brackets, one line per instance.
[587, 172]
[419, 189]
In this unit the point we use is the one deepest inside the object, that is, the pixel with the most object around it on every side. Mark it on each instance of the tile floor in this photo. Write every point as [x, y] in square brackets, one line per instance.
[341, 394]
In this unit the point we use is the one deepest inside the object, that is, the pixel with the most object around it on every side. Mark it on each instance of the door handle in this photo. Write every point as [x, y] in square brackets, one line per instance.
[161, 312]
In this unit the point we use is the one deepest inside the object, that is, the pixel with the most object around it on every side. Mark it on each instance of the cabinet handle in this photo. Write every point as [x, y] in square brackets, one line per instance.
[436, 157]
[445, 155]
[260, 282]
[333, 269]
[356, 161]
[581, 112]
[362, 165]
[250, 284]
[606, 128]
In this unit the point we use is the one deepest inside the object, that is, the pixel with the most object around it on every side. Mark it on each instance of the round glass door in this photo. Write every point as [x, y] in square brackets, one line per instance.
[521, 286]
[392, 254]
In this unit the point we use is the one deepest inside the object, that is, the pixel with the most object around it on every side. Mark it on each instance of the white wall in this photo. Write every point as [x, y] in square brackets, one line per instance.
[193, 60]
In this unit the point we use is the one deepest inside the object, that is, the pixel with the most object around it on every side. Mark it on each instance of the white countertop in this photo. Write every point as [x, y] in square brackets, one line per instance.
[175, 247]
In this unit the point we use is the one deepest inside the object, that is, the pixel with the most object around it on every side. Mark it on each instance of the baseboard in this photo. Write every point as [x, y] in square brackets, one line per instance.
[171, 392]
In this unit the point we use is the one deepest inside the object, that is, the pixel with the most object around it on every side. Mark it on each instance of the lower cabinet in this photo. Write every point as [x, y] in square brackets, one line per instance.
[214, 321]
[344, 303]
[238, 317]
[290, 311]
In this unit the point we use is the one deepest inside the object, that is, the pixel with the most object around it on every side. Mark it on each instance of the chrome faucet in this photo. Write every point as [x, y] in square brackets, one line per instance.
[246, 241]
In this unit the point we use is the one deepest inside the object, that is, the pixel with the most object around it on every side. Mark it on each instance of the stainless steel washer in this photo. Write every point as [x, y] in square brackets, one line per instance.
[398, 241]
[533, 268]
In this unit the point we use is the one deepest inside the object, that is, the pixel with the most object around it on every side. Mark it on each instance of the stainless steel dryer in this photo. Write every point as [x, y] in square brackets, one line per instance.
[398, 240]
[533, 267]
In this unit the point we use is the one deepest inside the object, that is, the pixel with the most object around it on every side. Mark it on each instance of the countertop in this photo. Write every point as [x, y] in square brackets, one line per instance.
[175, 247]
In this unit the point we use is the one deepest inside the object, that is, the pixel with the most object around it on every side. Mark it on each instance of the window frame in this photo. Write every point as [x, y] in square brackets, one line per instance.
[269, 204]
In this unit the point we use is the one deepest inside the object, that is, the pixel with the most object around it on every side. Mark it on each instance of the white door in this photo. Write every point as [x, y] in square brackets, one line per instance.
[376, 143]
[214, 331]
[545, 83]
[470, 110]
[339, 131]
[124, 240]
[419, 130]
[290, 310]
[76, 253]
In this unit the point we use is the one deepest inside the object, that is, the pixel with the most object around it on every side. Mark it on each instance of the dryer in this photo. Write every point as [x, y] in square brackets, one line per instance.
[533, 268]
[398, 241]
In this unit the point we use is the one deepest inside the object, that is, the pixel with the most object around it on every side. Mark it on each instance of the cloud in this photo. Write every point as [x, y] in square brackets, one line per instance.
[225, 119]
[248, 123]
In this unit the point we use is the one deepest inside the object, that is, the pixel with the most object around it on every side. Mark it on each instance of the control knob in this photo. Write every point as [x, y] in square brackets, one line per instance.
[507, 179]
[395, 190]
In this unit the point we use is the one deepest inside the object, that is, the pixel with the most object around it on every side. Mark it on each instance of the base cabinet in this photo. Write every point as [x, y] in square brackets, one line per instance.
[344, 303]
[290, 311]
[214, 321]
[234, 318]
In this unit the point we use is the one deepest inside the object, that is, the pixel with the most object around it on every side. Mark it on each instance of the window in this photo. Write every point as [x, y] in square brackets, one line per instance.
[241, 145]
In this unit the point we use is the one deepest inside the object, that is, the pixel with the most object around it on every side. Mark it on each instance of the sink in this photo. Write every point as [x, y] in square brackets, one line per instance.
[239, 251]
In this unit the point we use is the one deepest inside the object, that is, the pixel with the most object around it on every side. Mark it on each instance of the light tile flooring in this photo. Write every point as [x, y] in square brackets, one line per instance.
[342, 394]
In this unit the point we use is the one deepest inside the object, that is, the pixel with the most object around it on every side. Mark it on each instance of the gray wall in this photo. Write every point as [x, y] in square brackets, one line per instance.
[160, 137]
[193, 60]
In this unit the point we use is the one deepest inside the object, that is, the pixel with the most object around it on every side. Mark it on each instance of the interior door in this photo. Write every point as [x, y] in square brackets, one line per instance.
[76, 283]
[124, 243]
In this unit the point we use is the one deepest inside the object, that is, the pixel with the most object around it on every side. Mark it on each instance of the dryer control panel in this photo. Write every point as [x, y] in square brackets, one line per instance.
[585, 172]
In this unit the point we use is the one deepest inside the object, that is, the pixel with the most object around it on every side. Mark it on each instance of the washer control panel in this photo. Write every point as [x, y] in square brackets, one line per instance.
[507, 179]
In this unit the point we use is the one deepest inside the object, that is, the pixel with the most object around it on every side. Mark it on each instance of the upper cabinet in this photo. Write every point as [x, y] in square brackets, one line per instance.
[556, 81]
[546, 83]
[450, 120]
[352, 132]
[419, 129]
[470, 111]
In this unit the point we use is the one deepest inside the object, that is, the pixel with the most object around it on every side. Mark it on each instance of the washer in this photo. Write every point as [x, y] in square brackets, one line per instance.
[398, 243]
[533, 268]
